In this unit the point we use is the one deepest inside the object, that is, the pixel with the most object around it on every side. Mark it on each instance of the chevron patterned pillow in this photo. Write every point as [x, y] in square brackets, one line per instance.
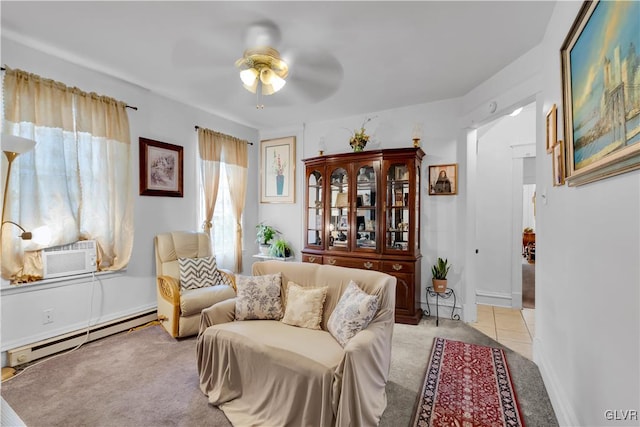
[198, 272]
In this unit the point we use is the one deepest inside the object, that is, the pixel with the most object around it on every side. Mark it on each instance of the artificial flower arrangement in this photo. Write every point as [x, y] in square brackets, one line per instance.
[359, 139]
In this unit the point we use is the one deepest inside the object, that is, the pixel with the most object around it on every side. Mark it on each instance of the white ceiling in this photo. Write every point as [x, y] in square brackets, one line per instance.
[346, 58]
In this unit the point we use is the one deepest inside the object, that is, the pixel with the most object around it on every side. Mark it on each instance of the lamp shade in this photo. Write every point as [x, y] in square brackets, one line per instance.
[249, 76]
[41, 235]
[16, 144]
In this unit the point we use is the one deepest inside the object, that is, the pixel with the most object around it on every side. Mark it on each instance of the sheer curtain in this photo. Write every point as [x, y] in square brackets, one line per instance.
[236, 160]
[224, 162]
[77, 180]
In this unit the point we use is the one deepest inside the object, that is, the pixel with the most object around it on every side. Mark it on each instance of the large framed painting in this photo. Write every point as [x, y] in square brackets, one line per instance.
[161, 169]
[443, 180]
[278, 170]
[601, 91]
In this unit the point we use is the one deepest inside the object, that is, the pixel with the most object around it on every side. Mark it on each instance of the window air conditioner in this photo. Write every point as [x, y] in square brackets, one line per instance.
[68, 260]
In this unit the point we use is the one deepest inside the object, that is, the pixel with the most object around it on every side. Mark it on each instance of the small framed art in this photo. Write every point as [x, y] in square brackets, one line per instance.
[161, 169]
[558, 164]
[443, 180]
[278, 170]
[552, 128]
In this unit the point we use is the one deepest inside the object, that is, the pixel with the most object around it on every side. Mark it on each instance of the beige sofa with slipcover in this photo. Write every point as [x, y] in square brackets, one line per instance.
[268, 373]
[179, 309]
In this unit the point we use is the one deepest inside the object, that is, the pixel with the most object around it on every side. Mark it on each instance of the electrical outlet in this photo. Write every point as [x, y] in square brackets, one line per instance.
[47, 316]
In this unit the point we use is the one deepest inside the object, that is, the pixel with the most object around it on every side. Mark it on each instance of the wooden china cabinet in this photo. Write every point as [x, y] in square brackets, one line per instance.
[363, 211]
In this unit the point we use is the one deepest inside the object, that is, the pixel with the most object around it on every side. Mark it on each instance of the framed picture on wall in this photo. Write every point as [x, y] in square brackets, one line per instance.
[600, 100]
[443, 180]
[161, 168]
[278, 170]
[558, 164]
[552, 128]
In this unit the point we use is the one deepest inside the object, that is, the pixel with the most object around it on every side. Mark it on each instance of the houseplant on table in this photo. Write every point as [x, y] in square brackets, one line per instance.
[439, 272]
[280, 248]
[264, 236]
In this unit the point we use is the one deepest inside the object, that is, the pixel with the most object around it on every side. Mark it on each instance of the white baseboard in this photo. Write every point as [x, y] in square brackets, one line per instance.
[500, 299]
[564, 411]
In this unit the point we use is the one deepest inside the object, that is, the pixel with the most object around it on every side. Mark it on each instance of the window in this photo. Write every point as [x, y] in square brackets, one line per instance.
[76, 181]
[223, 223]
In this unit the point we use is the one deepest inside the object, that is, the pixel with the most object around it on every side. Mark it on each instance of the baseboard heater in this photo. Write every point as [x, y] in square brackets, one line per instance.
[38, 350]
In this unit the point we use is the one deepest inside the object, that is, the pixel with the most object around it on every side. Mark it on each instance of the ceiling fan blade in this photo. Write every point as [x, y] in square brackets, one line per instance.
[313, 76]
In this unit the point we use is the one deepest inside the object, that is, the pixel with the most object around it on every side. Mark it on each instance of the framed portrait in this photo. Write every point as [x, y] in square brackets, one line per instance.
[161, 168]
[601, 103]
[443, 180]
[558, 164]
[278, 170]
[552, 128]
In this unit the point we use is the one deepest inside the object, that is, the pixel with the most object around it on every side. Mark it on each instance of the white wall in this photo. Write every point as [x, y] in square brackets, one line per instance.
[587, 275]
[134, 291]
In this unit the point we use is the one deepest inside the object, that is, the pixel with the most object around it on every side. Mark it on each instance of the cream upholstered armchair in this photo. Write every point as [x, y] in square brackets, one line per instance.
[179, 308]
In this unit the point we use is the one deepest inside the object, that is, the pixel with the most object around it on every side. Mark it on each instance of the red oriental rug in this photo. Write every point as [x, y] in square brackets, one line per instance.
[467, 385]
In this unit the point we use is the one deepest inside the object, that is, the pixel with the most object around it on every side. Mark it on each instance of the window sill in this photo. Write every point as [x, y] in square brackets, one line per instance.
[7, 289]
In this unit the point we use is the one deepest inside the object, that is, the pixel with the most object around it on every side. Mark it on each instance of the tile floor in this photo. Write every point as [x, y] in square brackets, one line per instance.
[511, 327]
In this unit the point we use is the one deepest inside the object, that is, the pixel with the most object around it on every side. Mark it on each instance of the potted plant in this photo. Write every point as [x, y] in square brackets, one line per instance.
[280, 248]
[264, 236]
[439, 272]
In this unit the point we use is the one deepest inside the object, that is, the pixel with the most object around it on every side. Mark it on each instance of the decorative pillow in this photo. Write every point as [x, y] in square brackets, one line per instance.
[304, 306]
[258, 297]
[353, 313]
[198, 272]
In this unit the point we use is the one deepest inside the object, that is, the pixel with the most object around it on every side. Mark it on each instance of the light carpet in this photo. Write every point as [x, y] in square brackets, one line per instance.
[146, 378]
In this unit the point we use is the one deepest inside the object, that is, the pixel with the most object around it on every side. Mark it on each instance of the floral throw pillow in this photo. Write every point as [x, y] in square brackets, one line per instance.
[258, 297]
[353, 313]
[304, 306]
[198, 272]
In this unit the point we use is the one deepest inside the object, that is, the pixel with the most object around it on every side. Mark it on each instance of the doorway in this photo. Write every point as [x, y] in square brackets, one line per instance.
[503, 186]
[528, 237]
[505, 162]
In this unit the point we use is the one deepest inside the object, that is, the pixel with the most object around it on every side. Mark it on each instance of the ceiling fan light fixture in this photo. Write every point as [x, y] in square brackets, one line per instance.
[249, 76]
[265, 66]
[277, 82]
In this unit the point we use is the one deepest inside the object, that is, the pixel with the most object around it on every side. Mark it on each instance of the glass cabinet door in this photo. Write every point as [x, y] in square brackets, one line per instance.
[397, 208]
[315, 209]
[339, 221]
[366, 184]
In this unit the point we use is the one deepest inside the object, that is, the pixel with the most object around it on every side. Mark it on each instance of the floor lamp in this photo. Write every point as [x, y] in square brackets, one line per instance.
[13, 146]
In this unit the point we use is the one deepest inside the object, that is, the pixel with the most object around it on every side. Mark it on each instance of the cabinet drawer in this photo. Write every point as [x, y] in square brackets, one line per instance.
[398, 267]
[314, 259]
[363, 264]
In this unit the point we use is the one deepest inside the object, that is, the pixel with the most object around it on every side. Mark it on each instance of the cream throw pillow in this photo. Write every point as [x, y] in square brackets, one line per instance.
[304, 306]
[353, 313]
[258, 297]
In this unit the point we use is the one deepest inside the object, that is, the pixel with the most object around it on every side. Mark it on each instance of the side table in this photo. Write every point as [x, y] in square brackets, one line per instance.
[445, 295]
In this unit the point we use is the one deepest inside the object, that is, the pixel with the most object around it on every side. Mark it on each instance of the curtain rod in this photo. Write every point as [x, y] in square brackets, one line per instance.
[250, 143]
[126, 106]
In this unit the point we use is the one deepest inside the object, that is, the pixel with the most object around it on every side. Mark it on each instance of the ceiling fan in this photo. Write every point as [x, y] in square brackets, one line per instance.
[314, 74]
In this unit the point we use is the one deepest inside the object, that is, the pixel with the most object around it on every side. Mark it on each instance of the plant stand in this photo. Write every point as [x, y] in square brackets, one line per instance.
[445, 295]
